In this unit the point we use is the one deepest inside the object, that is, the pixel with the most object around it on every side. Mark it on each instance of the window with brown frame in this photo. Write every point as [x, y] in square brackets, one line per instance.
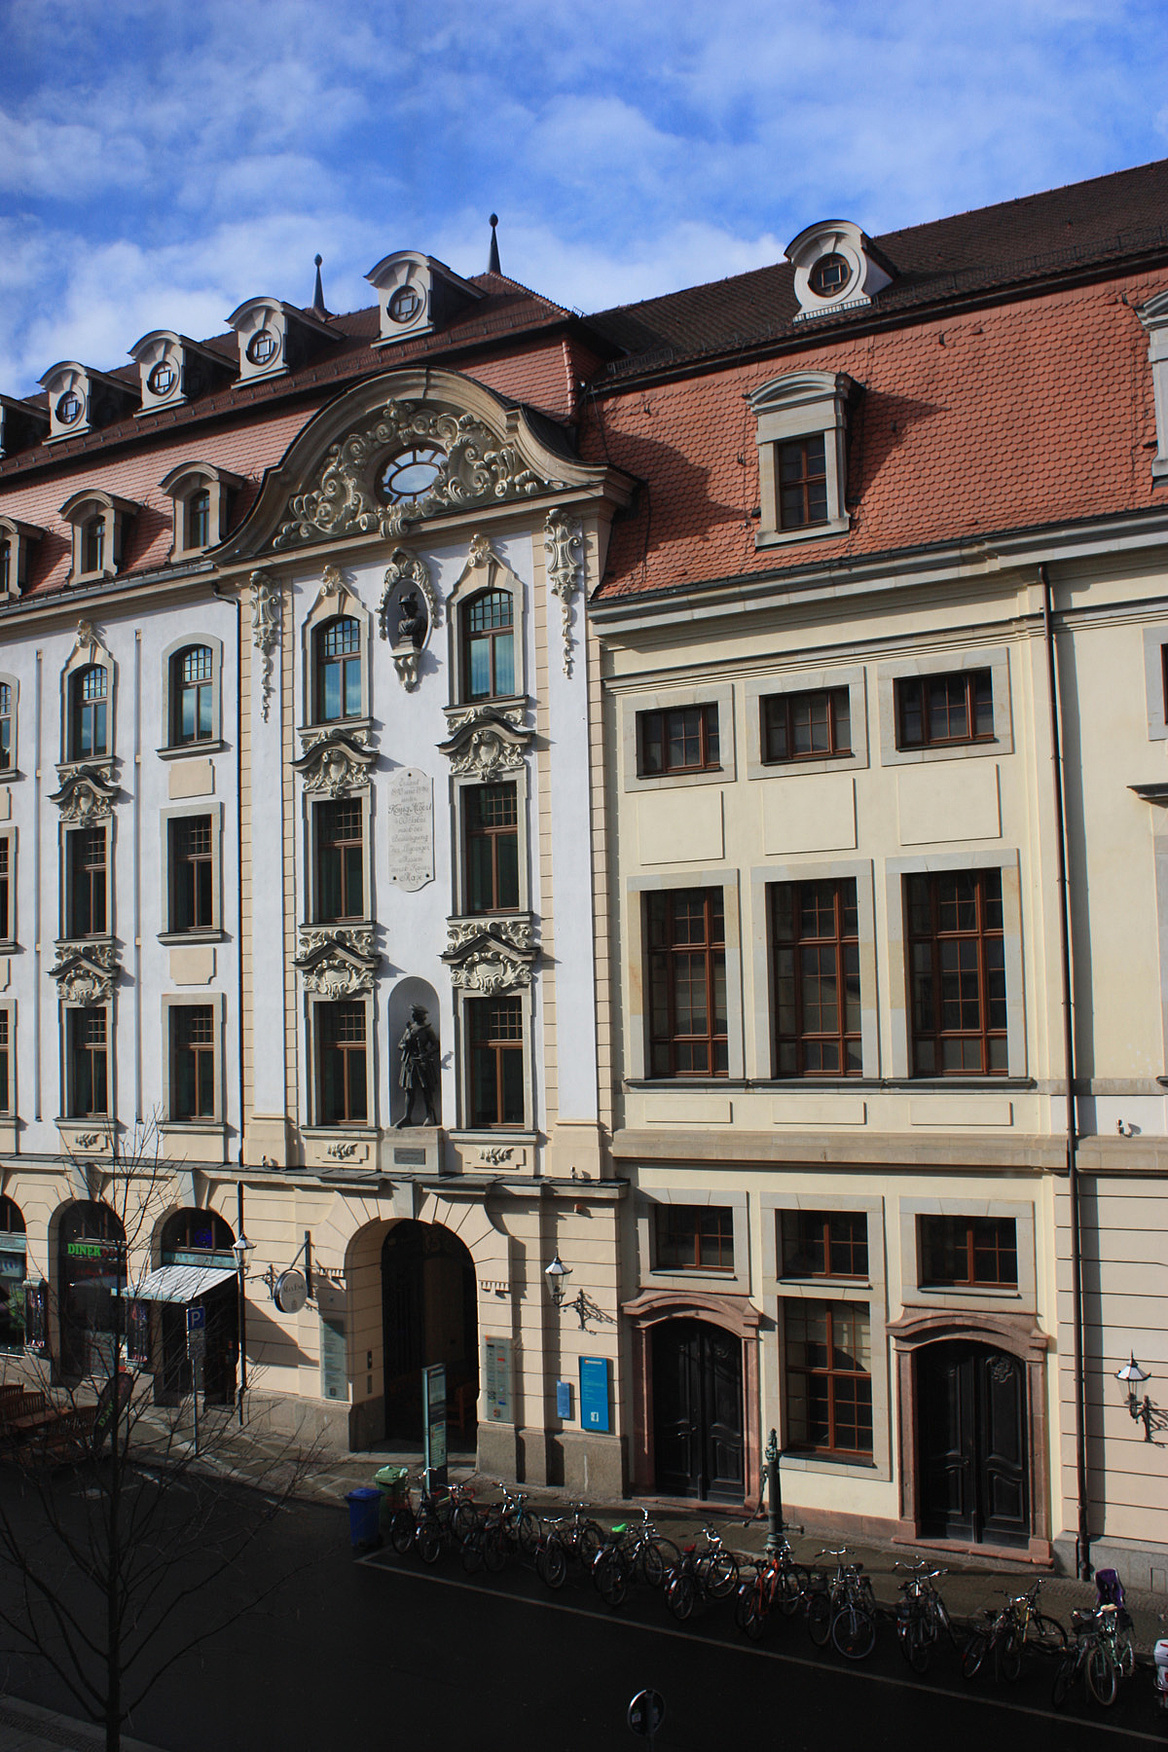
[343, 1097]
[491, 827]
[816, 947]
[935, 711]
[814, 725]
[87, 882]
[495, 1028]
[694, 1238]
[824, 1244]
[5, 896]
[683, 739]
[686, 936]
[192, 1034]
[6, 736]
[828, 1377]
[88, 1063]
[802, 482]
[968, 1251]
[6, 1079]
[192, 873]
[340, 860]
[958, 973]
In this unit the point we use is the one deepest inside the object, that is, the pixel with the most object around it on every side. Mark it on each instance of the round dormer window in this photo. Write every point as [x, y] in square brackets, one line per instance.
[162, 379]
[69, 407]
[830, 275]
[261, 349]
[405, 304]
[411, 474]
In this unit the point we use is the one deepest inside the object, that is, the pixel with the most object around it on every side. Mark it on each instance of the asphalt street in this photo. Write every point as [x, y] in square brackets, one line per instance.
[382, 1652]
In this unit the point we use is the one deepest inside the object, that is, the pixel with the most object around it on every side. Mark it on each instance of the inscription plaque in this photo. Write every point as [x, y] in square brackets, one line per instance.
[411, 829]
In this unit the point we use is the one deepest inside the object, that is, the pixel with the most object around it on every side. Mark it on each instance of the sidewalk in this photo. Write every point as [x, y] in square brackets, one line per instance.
[25, 1727]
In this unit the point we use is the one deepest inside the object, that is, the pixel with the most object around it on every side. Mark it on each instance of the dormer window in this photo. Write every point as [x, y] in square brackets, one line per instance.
[202, 496]
[21, 425]
[837, 267]
[1154, 316]
[16, 541]
[802, 455]
[415, 294]
[263, 347]
[69, 408]
[99, 521]
[275, 337]
[830, 275]
[173, 370]
[405, 304]
[83, 400]
[162, 380]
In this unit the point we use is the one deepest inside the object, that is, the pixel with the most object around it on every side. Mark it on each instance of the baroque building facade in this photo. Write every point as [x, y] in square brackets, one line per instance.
[672, 796]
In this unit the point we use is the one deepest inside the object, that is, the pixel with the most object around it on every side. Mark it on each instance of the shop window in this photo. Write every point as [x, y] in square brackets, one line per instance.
[495, 1028]
[337, 682]
[824, 1244]
[488, 646]
[341, 1078]
[89, 713]
[87, 882]
[88, 1063]
[192, 1041]
[828, 1378]
[491, 828]
[958, 975]
[340, 860]
[683, 739]
[968, 1252]
[694, 1238]
[815, 932]
[686, 936]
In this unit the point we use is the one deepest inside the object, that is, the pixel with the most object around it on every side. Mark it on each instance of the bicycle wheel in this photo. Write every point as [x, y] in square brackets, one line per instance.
[974, 1653]
[666, 1554]
[650, 1564]
[589, 1541]
[1102, 1678]
[912, 1636]
[1064, 1678]
[749, 1610]
[680, 1594]
[611, 1575]
[792, 1588]
[401, 1531]
[428, 1541]
[470, 1553]
[853, 1631]
[551, 1563]
[819, 1616]
[494, 1548]
[721, 1575]
[528, 1533]
[1045, 1634]
[1126, 1650]
[463, 1522]
[1007, 1654]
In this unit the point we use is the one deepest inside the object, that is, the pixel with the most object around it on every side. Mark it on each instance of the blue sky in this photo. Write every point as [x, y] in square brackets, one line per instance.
[160, 162]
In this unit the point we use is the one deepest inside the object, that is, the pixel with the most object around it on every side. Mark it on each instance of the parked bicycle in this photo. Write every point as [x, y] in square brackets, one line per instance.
[441, 1516]
[580, 1536]
[1001, 1636]
[843, 1611]
[921, 1617]
[778, 1581]
[711, 1573]
[1102, 1650]
[632, 1553]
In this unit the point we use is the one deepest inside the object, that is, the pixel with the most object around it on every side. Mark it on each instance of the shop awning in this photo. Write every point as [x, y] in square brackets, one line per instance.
[178, 1283]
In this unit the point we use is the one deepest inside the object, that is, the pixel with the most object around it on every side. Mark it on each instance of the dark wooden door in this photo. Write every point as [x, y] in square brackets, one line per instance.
[972, 1449]
[697, 1411]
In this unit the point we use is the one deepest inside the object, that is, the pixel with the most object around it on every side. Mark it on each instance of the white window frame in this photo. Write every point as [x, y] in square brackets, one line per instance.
[65, 889]
[316, 1126]
[802, 404]
[180, 486]
[524, 1133]
[520, 778]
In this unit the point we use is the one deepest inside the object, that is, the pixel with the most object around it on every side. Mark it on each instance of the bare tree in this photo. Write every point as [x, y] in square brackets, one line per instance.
[114, 1518]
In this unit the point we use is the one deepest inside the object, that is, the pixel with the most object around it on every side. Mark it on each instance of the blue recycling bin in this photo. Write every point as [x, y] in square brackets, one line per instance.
[364, 1507]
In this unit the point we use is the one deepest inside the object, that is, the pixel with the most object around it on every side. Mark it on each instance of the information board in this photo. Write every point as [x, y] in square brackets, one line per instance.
[333, 1372]
[434, 1413]
[595, 1394]
[497, 1378]
[410, 808]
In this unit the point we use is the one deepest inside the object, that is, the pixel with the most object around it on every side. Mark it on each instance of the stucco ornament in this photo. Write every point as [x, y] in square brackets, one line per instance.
[87, 639]
[336, 961]
[486, 741]
[335, 761]
[348, 497]
[409, 612]
[265, 629]
[86, 973]
[563, 538]
[494, 1155]
[497, 955]
[86, 794]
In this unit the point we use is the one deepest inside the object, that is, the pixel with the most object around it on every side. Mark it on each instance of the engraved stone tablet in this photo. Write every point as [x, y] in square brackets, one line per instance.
[411, 829]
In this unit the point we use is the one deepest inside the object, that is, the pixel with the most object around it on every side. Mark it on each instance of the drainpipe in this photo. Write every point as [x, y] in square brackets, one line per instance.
[1083, 1539]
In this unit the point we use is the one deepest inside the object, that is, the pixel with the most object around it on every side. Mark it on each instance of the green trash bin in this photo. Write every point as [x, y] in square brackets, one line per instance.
[393, 1483]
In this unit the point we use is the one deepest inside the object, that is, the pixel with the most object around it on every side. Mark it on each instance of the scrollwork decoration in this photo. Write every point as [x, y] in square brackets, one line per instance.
[265, 628]
[562, 540]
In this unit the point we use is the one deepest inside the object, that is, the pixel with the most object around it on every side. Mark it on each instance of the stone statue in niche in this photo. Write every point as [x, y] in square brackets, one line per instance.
[418, 1070]
[412, 621]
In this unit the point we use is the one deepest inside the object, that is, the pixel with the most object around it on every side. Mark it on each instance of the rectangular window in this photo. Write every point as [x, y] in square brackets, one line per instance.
[933, 711]
[6, 1079]
[824, 1244]
[807, 726]
[686, 933]
[86, 871]
[5, 892]
[340, 860]
[88, 1068]
[495, 1027]
[815, 937]
[192, 873]
[192, 1028]
[968, 1251]
[5, 726]
[199, 519]
[958, 973]
[695, 1238]
[802, 482]
[491, 815]
[829, 1378]
[341, 1064]
[681, 740]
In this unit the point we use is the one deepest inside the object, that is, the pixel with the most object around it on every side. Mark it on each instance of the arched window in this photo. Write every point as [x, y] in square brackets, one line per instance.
[338, 670]
[488, 646]
[89, 713]
[11, 1219]
[12, 1273]
[6, 737]
[192, 695]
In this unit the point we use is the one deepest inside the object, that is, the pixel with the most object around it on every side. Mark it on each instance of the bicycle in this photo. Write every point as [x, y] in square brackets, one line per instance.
[709, 1574]
[581, 1538]
[630, 1553]
[1003, 1635]
[843, 1611]
[1092, 1655]
[441, 1516]
[921, 1617]
[777, 1581]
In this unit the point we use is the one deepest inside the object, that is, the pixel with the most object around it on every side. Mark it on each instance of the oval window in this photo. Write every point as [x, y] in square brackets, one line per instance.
[162, 379]
[411, 474]
[405, 304]
[830, 275]
[261, 349]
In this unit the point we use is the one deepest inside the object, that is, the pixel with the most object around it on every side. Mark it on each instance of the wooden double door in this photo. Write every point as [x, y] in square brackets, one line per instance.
[973, 1451]
[697, 1411]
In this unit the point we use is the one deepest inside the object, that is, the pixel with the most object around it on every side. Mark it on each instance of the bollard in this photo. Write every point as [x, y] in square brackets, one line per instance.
[774, 1538]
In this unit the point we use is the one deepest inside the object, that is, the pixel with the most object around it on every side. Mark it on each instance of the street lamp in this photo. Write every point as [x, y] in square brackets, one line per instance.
[240, 1249]
[1142, 1411]
[555, 1273]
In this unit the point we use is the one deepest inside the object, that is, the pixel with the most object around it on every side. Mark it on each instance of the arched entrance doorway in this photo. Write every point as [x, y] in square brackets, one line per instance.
[91, 1270]
[973, 1458]
[12, 1270]
[429, 1307]
[202, 1240]
[698, 1411]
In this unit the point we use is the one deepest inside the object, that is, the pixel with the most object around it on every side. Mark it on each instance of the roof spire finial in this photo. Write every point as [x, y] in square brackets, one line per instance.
[493, 264]
[318, 307]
